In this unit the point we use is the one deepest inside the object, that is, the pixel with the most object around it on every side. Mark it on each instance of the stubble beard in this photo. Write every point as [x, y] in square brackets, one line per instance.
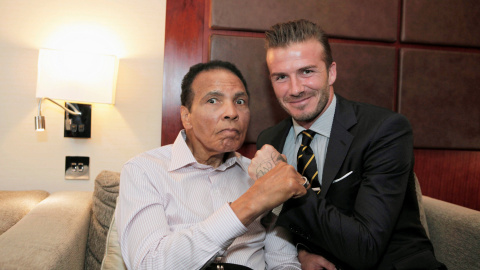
[312, 116]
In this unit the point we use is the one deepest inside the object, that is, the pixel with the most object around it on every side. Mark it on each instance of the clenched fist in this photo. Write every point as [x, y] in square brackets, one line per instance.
[265, 159]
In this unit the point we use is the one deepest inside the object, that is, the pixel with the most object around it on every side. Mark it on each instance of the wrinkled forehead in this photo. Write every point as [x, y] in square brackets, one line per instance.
[220, 81]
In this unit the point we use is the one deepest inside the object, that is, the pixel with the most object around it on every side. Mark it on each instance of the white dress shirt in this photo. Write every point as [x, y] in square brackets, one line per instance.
[173, 213]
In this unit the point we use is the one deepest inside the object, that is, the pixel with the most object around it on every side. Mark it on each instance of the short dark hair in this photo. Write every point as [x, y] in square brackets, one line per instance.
[284, 34]
[187, 93]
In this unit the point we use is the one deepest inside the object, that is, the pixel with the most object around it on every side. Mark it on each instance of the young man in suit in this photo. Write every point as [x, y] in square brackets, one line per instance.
[362, 210]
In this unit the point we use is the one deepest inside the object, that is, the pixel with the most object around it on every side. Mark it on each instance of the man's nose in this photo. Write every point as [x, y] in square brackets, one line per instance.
[295, 86]
[231, 111]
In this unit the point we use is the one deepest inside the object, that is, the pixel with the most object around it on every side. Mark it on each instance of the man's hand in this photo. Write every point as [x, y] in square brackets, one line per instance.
[265, 159]
[279, 184]
[312, 261]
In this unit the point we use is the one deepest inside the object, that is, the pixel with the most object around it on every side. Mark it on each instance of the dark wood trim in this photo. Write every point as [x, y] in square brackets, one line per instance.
[183, 48]
[450, 175]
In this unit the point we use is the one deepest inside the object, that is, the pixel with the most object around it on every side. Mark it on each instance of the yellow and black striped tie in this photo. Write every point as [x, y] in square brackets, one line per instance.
[306, 163]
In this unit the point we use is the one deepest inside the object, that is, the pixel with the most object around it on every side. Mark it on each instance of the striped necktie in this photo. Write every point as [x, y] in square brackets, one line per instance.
[306, 164]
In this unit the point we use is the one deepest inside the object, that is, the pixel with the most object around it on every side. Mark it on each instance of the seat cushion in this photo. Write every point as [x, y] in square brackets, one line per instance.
[113, 259]
[52, 236]
[14, 205]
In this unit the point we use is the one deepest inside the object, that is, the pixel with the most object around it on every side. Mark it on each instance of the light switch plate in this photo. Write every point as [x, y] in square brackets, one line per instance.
[77, 168]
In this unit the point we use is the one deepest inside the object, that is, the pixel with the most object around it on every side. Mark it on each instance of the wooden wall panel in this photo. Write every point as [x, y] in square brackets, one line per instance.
[367, 19]
[366, 73]
[446, 22]
[440, 95]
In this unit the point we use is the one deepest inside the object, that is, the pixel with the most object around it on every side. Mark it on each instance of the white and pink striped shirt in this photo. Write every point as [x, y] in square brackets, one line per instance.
[173, 213]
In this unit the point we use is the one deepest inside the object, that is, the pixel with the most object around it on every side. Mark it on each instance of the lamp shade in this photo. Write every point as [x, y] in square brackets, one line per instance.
[76, 76]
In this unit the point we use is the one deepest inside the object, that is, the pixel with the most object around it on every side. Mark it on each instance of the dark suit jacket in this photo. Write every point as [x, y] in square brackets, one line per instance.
[370, 219]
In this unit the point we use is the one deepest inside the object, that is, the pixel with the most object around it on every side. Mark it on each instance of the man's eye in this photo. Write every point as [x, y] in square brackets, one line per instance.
[212, 100]
[280, 77]
[241, 101]
[307, 71]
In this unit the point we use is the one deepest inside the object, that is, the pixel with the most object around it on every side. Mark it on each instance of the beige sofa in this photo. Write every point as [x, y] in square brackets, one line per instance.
[63, 230]
[67, 230]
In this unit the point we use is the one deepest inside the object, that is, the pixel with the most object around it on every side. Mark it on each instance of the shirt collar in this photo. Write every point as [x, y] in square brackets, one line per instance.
[183, 157]
[323, 125]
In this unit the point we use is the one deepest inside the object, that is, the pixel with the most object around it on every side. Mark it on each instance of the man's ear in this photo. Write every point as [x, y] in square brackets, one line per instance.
[332, 73]
[185, 115]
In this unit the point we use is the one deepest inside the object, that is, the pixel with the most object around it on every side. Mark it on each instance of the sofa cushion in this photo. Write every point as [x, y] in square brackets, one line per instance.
[455, 233]
[14, 205]
[113, 259]
[52, 236]
[104, 200]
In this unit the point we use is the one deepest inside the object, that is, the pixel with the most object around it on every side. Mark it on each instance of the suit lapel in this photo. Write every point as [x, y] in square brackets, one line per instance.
[339, 143]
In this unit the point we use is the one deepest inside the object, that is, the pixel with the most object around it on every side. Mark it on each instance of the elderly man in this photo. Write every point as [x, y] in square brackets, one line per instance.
[184, 205]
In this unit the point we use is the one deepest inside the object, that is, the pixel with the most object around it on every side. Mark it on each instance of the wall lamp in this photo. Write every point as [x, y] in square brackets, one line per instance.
[75, 76]
[40, 120]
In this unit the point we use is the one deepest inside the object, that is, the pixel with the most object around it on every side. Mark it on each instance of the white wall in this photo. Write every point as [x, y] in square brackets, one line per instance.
[132, 30]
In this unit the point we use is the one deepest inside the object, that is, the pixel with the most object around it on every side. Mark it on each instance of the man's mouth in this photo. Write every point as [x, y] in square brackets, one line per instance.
[230, 131]
[298, 102]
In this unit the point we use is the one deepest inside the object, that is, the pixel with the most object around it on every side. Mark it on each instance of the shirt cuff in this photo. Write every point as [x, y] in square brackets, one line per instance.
[223, 225]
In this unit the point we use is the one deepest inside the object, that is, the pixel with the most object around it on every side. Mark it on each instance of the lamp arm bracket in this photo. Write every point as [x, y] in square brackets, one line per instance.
[74, 112]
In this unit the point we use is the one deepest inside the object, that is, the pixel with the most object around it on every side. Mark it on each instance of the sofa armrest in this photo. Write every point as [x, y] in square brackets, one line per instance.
[454, 232]
[51, 236]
